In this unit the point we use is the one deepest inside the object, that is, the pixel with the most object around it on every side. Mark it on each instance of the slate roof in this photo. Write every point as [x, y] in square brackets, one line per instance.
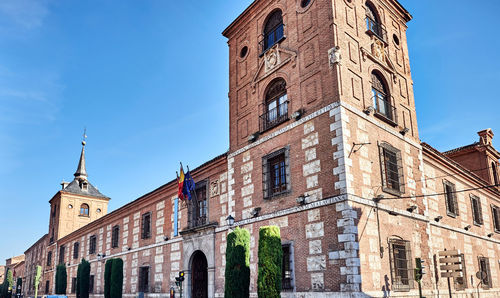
[92, 191]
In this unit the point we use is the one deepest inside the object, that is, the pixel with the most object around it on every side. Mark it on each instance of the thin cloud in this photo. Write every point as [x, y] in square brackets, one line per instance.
[28, 14]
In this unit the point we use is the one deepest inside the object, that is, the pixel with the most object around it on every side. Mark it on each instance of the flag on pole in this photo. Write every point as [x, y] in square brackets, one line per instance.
[189, 185]
[180, 184]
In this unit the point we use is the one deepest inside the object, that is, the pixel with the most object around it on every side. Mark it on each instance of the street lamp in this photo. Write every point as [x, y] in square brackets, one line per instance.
[230, 220]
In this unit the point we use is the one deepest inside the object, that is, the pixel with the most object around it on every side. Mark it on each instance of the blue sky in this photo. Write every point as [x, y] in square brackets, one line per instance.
[149, 81]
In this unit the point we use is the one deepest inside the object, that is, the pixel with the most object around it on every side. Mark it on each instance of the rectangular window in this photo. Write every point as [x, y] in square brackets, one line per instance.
[287, 268]
[47, 287]
[477, 213]
[91, 284]
[49, 259]
[115, 236]
[484, 268]
[76, 250]
[144, 279]
[73, 285]
[450, 198]
[401, 265]
[276, 173]
[392, 169]
[461, 282]
[146, 226]
[92, 244]
[495, 213]
[61, 254]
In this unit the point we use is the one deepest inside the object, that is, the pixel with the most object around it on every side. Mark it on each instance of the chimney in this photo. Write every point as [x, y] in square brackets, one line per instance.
[485, 137]
[64, 184]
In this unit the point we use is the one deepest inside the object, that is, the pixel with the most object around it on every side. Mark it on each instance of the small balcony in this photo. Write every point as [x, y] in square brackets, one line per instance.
[274, 117]
[385, 111]
[376, 29]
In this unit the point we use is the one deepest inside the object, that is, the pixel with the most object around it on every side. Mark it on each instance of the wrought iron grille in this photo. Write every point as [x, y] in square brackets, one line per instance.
[274, 117]
[376, 28]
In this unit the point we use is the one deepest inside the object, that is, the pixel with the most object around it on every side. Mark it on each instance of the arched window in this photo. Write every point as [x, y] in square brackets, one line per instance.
[273, 30]
[84, 210]
[495, 174]
[373, 23]
[276, 104]
[381, 98]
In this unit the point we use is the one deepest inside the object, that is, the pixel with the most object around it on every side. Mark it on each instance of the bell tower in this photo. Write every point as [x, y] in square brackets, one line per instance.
[76, 204]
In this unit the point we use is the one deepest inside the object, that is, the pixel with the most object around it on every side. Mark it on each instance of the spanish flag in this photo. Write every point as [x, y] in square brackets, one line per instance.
[180, 184]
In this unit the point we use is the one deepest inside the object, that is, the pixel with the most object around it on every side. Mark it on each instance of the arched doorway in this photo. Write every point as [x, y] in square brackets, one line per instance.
[199, 275]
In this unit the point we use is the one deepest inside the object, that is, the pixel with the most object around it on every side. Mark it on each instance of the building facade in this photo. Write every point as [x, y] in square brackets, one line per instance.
[324, 143]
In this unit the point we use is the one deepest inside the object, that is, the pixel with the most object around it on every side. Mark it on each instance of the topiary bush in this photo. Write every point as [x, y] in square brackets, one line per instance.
[82, 279]
[61, 279]
[116, 278]
[107, 278]
[270, 262]
[237, 277]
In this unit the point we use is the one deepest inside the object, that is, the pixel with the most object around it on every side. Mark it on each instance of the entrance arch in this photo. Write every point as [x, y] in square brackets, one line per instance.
[199, 275]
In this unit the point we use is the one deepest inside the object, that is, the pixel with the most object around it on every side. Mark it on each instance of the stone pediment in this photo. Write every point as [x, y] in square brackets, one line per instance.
[378, 55]
[272, 60]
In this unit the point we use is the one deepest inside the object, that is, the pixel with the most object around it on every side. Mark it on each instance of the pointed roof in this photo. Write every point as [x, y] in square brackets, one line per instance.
[81, 171]
[75, 188]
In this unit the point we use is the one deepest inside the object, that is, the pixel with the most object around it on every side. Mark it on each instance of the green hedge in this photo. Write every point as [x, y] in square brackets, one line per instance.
[61, 279]
[237, 281]
[83, 279]
[116, 279]
[270, 262]
[107, 278]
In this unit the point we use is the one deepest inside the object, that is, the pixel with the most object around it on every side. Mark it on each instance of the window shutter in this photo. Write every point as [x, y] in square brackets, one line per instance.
[409, 264]
[455, 201]
[142, 226]
[480, 211]
[488, 272]
[400, 172]
[382, 165]
[287, 169]
[265, 180]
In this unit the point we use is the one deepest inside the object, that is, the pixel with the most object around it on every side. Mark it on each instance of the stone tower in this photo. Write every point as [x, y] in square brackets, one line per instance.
[76, 204]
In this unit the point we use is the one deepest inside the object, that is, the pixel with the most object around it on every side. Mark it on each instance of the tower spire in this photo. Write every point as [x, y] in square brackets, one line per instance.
[81, 171]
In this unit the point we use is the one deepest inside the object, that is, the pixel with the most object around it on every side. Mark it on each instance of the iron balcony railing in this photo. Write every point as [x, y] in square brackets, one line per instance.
[386, 110]
[272, 38]
[376, 29]
[274, 117]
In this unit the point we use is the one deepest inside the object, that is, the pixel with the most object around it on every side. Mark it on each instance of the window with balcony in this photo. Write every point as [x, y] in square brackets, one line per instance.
[381, 99]
[276, 105]
[287, 268]
[92, 244]
[273, 30]
[276, 173]
[373, 22]
[146, 226]
[115, 236]
[450, 198]
[76, 250]
[484, 268]
[198, 206]
[84, 210]
[495, 214]
[401, 264]
[392, 169]
[144, 279]
[62, 250]
[477, 213]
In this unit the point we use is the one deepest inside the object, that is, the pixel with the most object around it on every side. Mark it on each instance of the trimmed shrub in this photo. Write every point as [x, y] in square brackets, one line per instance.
[270, 262]
[61, 279]
[107, 278]
[116, 278]
[83, 279]
[237, 278]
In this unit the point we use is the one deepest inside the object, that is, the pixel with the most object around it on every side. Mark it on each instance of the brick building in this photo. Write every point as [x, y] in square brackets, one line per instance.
[323, 143]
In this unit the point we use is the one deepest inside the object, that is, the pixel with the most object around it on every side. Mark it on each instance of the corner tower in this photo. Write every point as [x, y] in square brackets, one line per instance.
[76, 204]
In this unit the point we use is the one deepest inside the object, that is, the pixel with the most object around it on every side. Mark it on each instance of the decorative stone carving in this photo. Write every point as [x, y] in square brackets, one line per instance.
[378, 50]
[334, 56]
[214, 188]
[272, 58]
